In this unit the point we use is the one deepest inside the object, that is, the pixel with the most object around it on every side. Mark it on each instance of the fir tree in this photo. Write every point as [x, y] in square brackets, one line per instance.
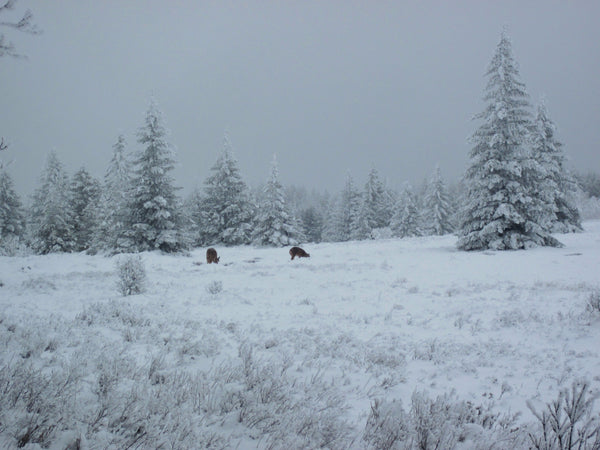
[113, 208]
[377, 205]
[312, 224]
[51, 221]
[85, 194]
[155, 217]
[406, 219]
[361, 224]
[274, 225]
[194, 207]
[503, 208]
[344, 213]
[12, 220]
[557, 182]
[227, 211]
[438, 211]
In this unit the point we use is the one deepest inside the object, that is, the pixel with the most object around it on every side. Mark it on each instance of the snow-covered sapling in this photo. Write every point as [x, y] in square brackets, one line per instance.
[132, 275]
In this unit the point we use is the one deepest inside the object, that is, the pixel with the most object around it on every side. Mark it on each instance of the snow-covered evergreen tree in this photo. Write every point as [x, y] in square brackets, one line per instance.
[360, 226]
[50, 216]
[557, 182]
[194, 207]
[155, 217]
[406, 221]
[504, 209]
[344, 213]
[84, 195]
[274, 225]
[113, 209]
[378, 207]
[312, 224]
[437, 214]
[12, 220]
[227, 209]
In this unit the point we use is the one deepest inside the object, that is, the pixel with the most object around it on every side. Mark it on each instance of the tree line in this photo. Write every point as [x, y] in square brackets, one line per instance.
[516, 191]
[136, 207]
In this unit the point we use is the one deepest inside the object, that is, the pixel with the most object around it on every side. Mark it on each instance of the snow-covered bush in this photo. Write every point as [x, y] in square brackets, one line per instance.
[567, 422]
[132, 275]
[214, 287]
[442, 422]
[593, 303]
[290, 412]
[33, 403]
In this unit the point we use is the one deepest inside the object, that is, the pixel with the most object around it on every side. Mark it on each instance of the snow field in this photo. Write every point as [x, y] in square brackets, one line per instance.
[260, 351]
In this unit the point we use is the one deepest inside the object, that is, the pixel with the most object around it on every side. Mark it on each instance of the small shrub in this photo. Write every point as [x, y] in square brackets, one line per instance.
[132, 275]
[593, 302]
[438, 423]
[214, 287]
[568, 423]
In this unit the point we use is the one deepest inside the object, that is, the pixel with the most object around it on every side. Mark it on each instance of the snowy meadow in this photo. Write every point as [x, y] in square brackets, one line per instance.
[393, 343]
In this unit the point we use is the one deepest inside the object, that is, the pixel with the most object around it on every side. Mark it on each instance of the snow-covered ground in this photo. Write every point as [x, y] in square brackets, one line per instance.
[262, 351]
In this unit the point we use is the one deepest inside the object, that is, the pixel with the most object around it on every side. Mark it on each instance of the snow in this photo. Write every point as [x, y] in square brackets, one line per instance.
[372, 319]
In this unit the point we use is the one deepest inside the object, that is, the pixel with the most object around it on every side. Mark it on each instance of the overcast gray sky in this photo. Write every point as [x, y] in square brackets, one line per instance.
[329, 86]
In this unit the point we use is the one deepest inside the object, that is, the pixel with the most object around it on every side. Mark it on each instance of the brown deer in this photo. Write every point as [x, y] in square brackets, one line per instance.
[211, 256]
[300, 253]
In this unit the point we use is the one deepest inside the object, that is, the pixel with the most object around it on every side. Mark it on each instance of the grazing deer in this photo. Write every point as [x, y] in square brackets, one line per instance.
[211, 256]
[300, 253]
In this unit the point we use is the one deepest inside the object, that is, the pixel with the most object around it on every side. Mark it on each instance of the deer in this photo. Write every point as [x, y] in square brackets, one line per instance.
[211, 256]
[300, 253]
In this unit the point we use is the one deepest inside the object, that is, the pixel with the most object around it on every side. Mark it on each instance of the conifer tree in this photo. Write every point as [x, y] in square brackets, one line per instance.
[194, 207]
[377, 205]
[557, 182]
[344, 213]
[406, 221]
[155, 221]
[312, 224]
[274, 225]
[227, 210]
[437, 209]
[113, 209]
[361, 225]
[503, 207]
[85, 194]
[12, 220]
[50, 217]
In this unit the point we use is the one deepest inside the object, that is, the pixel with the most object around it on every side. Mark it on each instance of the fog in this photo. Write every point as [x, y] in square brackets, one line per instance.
[329, 86]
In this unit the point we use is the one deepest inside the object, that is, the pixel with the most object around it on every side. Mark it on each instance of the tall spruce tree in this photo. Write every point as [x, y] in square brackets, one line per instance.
[406, 221]
[155, 217]
[113, 208]
[437, 208]
[227, 210]
[12, 219]
[557, 182]
[360, 226]
[50, 216]
[344, 213]
[274, 225]
[503, 207]
[376, 207]
[196, 217]
[85, 195]
[312, 223]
